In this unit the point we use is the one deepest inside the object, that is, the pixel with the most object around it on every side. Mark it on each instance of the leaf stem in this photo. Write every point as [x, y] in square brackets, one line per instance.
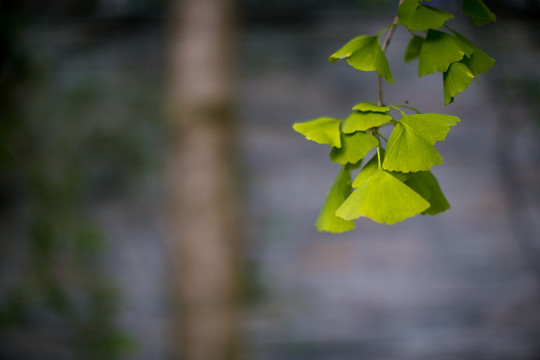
[399, 106]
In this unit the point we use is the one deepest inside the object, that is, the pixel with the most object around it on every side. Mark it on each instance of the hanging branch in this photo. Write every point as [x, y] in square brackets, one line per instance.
[397, 182]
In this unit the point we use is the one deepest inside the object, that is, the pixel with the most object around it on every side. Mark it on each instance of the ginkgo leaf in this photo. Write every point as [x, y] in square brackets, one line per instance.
[419, 17]
[371, 167]
[365, 106]
[439, 51]
[409, 151]
[455, 80]
[340, 190]
[432, 127]
[478, 11]
[353, 147]
[413, 48]
[382, 198]
[363, 120]
[427, 186]
[322, 130]
[367, 170]
[479, 62]
[365, 53]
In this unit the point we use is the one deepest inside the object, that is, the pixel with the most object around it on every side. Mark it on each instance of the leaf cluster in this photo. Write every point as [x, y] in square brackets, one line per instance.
[396, 182]
[445, 51]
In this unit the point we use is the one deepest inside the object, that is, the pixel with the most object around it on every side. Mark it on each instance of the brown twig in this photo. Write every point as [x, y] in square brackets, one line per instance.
[384, 47]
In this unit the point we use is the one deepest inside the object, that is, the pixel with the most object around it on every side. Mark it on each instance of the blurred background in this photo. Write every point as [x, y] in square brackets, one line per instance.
[88, 264]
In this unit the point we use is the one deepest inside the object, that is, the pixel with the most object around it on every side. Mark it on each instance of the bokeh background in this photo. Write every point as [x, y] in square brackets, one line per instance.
[84, 261]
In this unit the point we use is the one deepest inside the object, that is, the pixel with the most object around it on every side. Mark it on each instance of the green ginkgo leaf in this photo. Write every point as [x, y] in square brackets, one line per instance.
[365, 53]
[364, 120]
[427, 186]
[409, 151]
[413, 48]
[371, 167]
[455, 80]
[353, 147]
[419, 17]
[322, 130]
[479, 62]
[340, 190]
[439, 51]
[367, 170]
[382, 198]
[432, 127]
[478, 11]
[365, 106]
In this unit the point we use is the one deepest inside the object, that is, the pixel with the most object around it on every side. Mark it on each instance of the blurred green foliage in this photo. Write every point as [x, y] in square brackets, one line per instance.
[64, 146]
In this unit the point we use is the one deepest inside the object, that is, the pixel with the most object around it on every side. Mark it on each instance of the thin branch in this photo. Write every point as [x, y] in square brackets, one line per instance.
[384, 46]
[390, 33]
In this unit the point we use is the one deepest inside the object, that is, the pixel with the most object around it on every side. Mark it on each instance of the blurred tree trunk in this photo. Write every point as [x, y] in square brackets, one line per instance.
[200, 192]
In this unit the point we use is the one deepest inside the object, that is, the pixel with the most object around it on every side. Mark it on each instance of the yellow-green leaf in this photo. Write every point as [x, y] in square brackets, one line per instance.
[371, 167]
[439, 51]
[322, 130]
[340, 190]
[455, 80]
[432, 127]
[364, 120]
[413, 48]
[382, 198]
[364, 53]
[426, 185]
[353, 148]
[365, 106]
[409, 151]
[479, 62]
[419, 17]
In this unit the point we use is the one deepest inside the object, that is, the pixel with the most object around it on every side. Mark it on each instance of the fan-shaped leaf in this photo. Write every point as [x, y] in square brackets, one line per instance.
[479, 62]
[340, 190]
[455, 80]
[365, 53]
[413, 48]
[432, 127]
[426, 185]
[478, 11]
[322, 130]
[367, 170]
[353, 147]
[363, 120]
[371, 167]
[439, 51]
[408, 151]
[419, 17]
[364, 106]
[382, 198]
